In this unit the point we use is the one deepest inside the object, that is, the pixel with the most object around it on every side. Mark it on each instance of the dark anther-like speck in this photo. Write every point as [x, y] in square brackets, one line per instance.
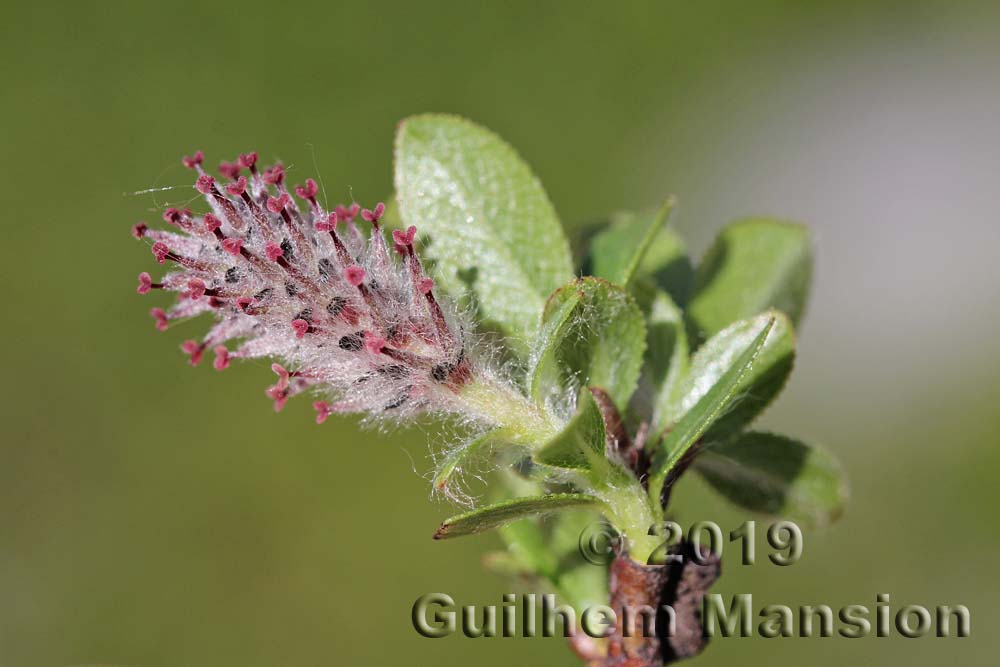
[350, 342]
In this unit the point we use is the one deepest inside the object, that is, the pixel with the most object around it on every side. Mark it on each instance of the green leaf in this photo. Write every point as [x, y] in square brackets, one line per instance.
[592, 334]
[456, 458]
[492, 516]
[663, 261]
[757, 388]
[494, 235]
[667, 265]
[550, 551]
[581, 444]
[617, 251]
[527, 543]
[666, 362]
[507, 564]
[776, 475]
[579, 581]
[753, 265]
[696, 421]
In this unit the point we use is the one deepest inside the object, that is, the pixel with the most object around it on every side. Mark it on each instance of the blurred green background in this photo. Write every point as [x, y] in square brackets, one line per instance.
[152, 514]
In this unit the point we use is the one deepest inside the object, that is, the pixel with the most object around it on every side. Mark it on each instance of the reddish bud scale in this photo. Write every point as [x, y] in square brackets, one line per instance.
[281, 282]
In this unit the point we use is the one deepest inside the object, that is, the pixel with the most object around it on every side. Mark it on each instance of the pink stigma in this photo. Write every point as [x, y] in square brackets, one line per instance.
[404, 238]
[160, 251]
[301, 327]
[145, 283]
[211, 222]
[248, 160]
[346, 214]
[237, 187]
[205, 184]
[221, 362]
[194, 350]
[160, 317]
[196, 288]
[192, 161]
[173, 216]
[273, 251]
[278, 204]
[275, 175]
[425, 285]
[282, 374]
[327, 225]
[139, 229]
[373, 343]
[230, 170]
[323, 411]
[354, 275]
[232, 246]
[307, 191]
[373, 216]
[279, 395]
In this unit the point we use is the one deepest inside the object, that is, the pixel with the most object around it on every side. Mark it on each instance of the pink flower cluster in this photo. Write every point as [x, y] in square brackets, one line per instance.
[286, 279]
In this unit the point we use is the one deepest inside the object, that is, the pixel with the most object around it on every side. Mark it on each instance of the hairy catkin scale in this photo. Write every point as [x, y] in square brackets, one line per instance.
[286, 279]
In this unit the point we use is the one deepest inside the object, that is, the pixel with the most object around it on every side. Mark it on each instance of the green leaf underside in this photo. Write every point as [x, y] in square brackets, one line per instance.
[455, 459]
[581, 444]
[776, 475]
[593, 334]
[752, 265]
[493, 516]
[617, 252]
[699, 418]
[756, 389]
[494, 235]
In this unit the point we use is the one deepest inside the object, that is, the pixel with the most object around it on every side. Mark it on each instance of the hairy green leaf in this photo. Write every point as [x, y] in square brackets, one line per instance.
[581, 444]
[592, 334]
[493, 233]
[776, 475]
[756, 389]
[456, 458]
[493, 516]
[716, 396]
[752, 266]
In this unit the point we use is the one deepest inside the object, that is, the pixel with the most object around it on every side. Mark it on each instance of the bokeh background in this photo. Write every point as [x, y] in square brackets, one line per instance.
[152, 514]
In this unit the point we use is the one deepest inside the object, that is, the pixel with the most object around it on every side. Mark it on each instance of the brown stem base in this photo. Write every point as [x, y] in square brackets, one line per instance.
[640, 593]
